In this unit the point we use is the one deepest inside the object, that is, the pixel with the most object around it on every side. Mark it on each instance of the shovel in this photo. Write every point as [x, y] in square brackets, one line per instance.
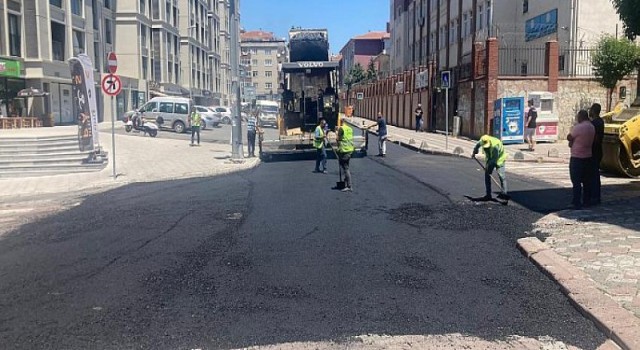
[340, 185]
[502, 195]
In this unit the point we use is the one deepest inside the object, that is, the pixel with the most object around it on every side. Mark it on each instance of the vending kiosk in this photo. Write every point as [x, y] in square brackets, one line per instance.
[547, 122]
[508, 119]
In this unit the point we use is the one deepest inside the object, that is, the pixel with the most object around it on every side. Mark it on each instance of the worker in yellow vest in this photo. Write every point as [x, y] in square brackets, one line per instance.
[196, 121]
[345, 148]
[319, 143]
[495, 157]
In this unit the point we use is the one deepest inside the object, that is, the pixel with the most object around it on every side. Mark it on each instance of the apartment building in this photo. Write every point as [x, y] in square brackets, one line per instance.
[37, 37]
[266, 54]
[362, 49]
[443, 31]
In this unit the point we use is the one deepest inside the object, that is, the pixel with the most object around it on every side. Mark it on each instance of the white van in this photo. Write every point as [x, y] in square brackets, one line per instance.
[269, 111]
[168, 112]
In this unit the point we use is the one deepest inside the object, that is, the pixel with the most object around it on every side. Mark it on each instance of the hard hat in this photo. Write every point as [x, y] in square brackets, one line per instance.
[486, 141]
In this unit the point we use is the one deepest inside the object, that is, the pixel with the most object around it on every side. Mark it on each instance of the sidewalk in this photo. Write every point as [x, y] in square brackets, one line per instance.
[138, 159]
[603, 243]
[557, 152]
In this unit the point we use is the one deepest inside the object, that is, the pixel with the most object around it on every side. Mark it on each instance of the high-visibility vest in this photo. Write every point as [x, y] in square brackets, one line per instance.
[196, 119]
[346, 141]
[497, 145]
[318, 142]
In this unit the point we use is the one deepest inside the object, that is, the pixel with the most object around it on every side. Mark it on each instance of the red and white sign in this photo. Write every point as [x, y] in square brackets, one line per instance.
[111, 84]
[112, 62]
[547, 131]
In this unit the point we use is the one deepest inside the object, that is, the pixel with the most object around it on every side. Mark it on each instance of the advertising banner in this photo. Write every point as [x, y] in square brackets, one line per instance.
[84, 102]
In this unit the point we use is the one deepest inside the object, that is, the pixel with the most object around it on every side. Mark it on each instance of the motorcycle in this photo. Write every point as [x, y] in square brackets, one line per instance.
[137, 122]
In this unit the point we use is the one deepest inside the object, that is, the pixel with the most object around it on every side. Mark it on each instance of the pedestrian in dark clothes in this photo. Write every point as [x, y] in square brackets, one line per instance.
[596, 150]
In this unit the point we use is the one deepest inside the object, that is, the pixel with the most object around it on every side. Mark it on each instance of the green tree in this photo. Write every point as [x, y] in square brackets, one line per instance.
[612, 60]
[356, 74]
[372, 74]
[630, 16]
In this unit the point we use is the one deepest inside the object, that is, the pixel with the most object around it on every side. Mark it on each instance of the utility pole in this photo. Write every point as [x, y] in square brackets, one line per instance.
[236, 120]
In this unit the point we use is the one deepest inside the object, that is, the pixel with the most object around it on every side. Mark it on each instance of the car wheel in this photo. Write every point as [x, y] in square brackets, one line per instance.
[203, 126]
[128, 128]
[216, 125]
[226, 120]
[153, 133]
[178, 127]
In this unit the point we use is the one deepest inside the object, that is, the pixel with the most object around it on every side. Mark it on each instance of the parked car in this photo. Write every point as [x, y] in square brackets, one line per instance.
[223, 112]
[168, 112]
[209, 118]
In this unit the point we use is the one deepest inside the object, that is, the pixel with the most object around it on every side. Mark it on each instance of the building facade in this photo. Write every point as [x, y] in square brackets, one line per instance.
[265, 55]
[362, 49]
[443, 31]
[37, 37]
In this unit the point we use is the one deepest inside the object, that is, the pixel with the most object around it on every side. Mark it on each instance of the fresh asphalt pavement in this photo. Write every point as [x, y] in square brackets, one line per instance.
[274, 255]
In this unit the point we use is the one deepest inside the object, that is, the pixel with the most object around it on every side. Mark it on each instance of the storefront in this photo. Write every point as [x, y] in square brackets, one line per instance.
[10, 84]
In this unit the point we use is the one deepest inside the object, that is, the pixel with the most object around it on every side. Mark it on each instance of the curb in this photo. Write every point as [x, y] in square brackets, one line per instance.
[617, 323]
[452, 154]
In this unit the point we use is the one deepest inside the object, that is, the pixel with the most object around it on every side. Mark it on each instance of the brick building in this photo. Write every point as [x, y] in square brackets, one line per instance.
[362, 49]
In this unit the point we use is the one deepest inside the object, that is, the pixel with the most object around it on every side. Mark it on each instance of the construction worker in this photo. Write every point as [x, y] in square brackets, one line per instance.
[495, 156]
[196, 121]
[319, 142]
[345, 148]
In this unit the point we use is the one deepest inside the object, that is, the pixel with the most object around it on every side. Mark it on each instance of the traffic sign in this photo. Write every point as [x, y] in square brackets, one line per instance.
[111, 84]
[445, 79]
[112, 62]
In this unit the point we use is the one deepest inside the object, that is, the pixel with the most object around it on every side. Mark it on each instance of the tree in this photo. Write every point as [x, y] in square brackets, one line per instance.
[630, 16]
[372, 74]
[612, 60]
[356, 74]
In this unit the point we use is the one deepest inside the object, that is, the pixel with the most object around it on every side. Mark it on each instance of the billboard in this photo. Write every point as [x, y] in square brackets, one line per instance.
[541, 25]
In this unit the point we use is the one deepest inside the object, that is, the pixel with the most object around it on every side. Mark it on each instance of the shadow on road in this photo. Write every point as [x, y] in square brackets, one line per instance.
[266, 258]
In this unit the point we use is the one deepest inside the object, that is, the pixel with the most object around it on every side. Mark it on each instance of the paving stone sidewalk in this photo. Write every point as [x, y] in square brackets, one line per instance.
[604, 242]
[138, 159]
[556, 152]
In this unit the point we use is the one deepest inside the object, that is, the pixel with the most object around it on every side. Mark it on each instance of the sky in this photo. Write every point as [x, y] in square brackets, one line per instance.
[343, 18]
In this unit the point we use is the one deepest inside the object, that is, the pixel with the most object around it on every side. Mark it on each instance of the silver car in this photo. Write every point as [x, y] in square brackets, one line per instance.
[209, 118]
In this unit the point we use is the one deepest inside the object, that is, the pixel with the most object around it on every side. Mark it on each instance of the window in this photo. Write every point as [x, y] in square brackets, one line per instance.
[58, 41]
[107, 4]
[107, 31]
[166, 107]
[94, 11]
[78, 42]
[525, 6]
[268, 85]
[57, 3]
[489, 15]
[254, 51]
[145, 67]
[254, 62]
[268, 62]
[142, 7]
[182, 108]
[150, 107]
[96, 55]
[267, 52]
[143, 36]
[480, 17]
[254, 73]
[14, 36]
[76, 7]
[465, 25]
[268, 74]
[255, 85]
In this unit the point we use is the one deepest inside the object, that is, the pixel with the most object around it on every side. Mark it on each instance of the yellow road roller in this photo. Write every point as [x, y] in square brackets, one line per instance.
[621, 143]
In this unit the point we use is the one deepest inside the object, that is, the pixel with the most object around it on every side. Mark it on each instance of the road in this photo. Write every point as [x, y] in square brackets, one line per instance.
[274, 258]
[220, 134]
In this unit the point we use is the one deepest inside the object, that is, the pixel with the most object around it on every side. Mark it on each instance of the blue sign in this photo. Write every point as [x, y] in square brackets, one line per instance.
[541, 26]
[445, 79]
[508, 119]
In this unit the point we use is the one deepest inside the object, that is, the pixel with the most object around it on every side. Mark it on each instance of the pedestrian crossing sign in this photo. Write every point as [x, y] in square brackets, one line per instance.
[445, 79]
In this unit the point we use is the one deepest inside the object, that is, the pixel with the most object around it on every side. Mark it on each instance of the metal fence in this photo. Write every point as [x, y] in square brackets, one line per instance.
[522, 61]
[575, 62]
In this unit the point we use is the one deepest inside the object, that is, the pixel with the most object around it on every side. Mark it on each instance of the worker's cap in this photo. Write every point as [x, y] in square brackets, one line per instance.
[486, 141]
